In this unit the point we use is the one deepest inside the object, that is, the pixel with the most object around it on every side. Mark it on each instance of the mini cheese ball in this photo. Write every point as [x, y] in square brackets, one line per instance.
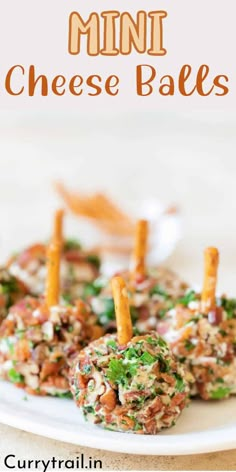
[39, 338]
[11, 290]
[202, 335]
[78, 266]
[150, 298]
[152, 292]
[129, 384]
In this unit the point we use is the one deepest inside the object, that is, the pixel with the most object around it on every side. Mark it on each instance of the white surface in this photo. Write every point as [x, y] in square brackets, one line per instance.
[203, 427]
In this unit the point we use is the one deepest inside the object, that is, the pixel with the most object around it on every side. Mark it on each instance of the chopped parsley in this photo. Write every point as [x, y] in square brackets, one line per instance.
[223, 332]
[220, 393]
[94, 260]
[71, 244]
[164, 364]
[187, 298]
[229, 305]
[10, 345]
[158, 290]
[120, 373]
[180, 385]
[220, 380]
[147, 358]
[64, 395]
[15, 376]
[112, 344]
[94, 288]
[66, 297]
[189, 346]
[108, 313]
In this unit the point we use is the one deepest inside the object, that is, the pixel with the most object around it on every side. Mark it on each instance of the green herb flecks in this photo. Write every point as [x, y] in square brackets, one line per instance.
[15, 377]
[112, 344]
[94, 260]
[72, 244]
[189, 346]
[119, 373]
[187, 298]
[229, 305]
[147, 359]
[180, 385]
[158, 290]
[220, 393]
[67, 395]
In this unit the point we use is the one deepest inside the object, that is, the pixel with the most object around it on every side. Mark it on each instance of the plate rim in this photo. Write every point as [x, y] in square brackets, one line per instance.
[167, 444]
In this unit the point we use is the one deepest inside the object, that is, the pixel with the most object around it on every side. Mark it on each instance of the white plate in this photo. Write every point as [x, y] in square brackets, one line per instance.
[203, 427]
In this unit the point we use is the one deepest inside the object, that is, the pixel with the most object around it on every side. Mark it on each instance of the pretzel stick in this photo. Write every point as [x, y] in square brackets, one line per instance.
[123, 318]
[58, 227]
[211, 262]
[53, 275]
[140, 248]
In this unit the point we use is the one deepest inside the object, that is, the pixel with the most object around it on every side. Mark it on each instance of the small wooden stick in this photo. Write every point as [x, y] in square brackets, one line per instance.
[123, 318]
[58, 227]
[53, 275]
[140, 248]
[211, 262]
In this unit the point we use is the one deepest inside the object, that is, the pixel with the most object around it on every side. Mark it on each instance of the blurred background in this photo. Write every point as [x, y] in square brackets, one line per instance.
[185, 159]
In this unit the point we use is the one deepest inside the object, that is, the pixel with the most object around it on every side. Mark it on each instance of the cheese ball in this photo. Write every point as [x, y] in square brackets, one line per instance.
[77, 268]
[205, 343]
[37, 344]
[11, 290]
[150, 298]
[137, 388]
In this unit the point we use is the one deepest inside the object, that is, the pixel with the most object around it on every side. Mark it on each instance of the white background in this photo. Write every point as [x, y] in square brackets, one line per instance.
[185, 159]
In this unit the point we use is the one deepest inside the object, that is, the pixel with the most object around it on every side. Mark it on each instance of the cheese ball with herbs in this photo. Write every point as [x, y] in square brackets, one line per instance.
[150, 298]
[205, 343]
[136, 388]
[37, 344]
[11, 290]
[78, 267]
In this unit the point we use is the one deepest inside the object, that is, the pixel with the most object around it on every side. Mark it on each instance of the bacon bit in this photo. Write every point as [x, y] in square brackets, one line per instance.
[51, 368]
[108, 399]
[96, 332]
[168, 379]
[81, 380]
[2, 301]
[143, 313]
[37, 251]
[22, 350]
[30, 391]
[139, 279]
[19, 385]
[202, 391]
[126, 422]
[215, 317]
[58, 382]
[163, 327]
[183, 315]
[150, 426]
[82, 311]
[74, 255]
[177, 399]
[7, 328]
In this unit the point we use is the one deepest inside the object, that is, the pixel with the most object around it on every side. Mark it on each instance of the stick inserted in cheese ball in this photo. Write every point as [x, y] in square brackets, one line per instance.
[53, 275]
[58, 227]
[211, 262]
[123, 318]
[140, 248]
